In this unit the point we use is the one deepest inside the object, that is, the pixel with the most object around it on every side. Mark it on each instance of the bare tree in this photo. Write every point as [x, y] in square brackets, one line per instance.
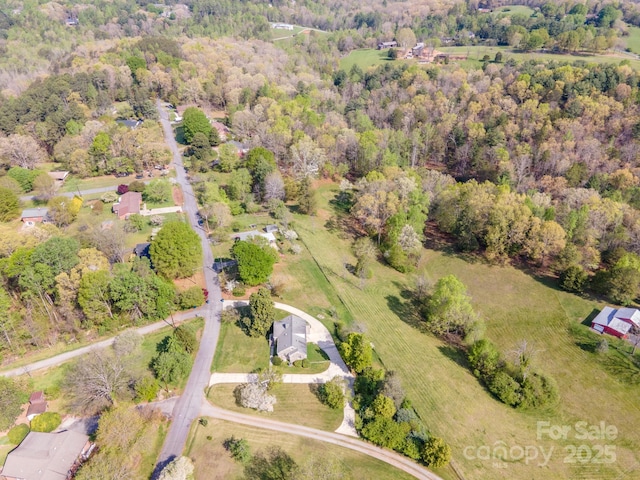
[273, 186]
[254, 395]
[22, 151]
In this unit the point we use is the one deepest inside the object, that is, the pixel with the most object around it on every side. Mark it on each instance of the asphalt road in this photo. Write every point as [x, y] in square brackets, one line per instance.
[399, 461]
[89, 191]
[187, 408]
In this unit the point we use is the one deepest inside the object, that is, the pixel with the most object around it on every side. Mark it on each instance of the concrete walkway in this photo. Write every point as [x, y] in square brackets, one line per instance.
[319, 335]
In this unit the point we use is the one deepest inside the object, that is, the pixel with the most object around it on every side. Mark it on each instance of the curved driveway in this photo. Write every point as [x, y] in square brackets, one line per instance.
[387, 456]
[188, 406]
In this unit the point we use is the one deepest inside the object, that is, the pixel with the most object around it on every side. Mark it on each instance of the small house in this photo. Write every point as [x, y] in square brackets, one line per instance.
[142, 250]
[247, 236]
[59, 176]
[31, 216]
[290, 338]
[128, 204]
[385, 45]
[222, 129]
[282, 26]
[616, 322]
[132, 124]
[37, 405]
[271, 228]
[47, 456]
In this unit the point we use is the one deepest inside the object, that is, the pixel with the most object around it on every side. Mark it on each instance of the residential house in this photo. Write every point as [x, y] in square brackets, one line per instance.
[246, 236]
[222, 129]
[47, 456]
[290, 338]
[271, 228]
[616, 322]
[241, 147]
[282, 26]
[142, 250]
[384, 45]
[37, 405]
[132, 124]
[31, 216]
[128, 204]
[59, 176]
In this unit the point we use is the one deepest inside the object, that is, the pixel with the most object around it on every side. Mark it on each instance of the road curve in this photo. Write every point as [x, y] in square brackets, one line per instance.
[65, 357]
[387, 456]
[187, 408]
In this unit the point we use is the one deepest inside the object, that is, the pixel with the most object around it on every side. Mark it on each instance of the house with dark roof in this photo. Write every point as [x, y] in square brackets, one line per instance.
[128, 204]
[290, 338]
[142, 250]
[37, 405]
[31, 216]
[616, 322]
[383, 45]
[132, 124]
[47, 456]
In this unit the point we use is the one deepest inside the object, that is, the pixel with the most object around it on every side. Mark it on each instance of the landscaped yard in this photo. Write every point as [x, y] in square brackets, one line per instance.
[213, 462]
[364, 58]
[514, 10]
[295, 404]
[451, 401]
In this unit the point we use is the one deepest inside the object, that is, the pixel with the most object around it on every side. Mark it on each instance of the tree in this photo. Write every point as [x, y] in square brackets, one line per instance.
[406, 38]
[273, 464]
[356, 352]
[44, 187]
[383, 406]
[573, 279]
[238, 448]
[46, 422]
[22, 151]
[331, 393]
[307, 201]
[255, 263]
[172, 363]
[157, 191]
[11, 399]
[239, 186]
[24, 177]
[127, 343]
[180, 468]
[18, 433]
[186, 338]
[176, 252]
[254, 395]
[192, 297]
[9, 205]
[262, 313]
[228, 157]
[195, 121]
[97, 382]
[448, 309]
[436, 453]
[365, 253]
[273, 187]
[385, 432]
[63, 211]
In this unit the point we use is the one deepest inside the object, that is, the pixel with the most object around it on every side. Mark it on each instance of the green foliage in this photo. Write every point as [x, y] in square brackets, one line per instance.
[436, 453]
[239, 291]
[307, 201]
[17, 433]
[506, 388]
[192, 297]
[195, 121]
[46, 422]
[385, 432]
[9, 205]
[383, 406]
[173, 363]
[157, 191]
[238, 448]
[255, 263]
[176, 252]
[331, 393]
[262, 313]
[24, 177]
[11, 398]
[276, 361]
[573, 279]
[146, 389]
[448, 309]
[137, 186]
[186, 338]
[137, 222]
[484, 358]
[272, 464]
[356, 352]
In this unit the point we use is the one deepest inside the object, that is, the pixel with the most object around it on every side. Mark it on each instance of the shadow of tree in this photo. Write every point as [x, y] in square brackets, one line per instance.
[625, 367]
[406, 311]
[455, 354]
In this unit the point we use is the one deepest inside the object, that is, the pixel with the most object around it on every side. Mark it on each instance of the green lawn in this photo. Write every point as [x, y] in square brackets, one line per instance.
[212, 461]
[514, 10]
[364, 58]
[295, 404]
[450, 400]
[239, 353]
[279, 33]
[633, 40]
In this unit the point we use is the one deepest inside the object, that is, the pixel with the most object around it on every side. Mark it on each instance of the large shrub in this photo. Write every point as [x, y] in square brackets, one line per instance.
[17, 433]
[46, 422]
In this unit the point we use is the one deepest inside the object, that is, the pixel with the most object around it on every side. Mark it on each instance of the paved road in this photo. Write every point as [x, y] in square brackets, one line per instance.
[89, 191]
[387, 456]
[65, 357]
[187, 408]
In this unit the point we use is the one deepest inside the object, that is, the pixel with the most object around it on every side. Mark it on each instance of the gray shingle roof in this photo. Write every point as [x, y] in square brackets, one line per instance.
[290, 334]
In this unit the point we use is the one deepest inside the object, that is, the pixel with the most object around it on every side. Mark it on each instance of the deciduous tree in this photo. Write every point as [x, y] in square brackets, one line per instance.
[176, 252]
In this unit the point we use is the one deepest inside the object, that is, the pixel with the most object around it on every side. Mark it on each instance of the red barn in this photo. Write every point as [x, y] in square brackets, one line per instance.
[616, 322]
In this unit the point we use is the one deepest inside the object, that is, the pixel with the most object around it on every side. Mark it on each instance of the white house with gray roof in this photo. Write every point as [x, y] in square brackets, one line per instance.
[290, 338]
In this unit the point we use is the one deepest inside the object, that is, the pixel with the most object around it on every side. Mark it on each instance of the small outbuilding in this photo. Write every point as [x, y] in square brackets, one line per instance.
[31, 216]
[290, 338]
[616, 322]
[37, 405]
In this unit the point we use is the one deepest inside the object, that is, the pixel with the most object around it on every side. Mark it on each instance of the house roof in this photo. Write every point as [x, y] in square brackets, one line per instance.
[630, 314]
[290, 332]
[36, 408]
[129, 123]
[58, 175]
[34, 212]
[244, 236]
[45, 456]
[615, 319]
[142, 249]
[271, 228]
[129, 203]
[36, 397]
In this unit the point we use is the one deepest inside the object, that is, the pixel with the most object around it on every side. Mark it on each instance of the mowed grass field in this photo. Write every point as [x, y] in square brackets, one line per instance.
[364, 58]
[514, 10]
[450, 400]
[213, 462]
[296, 403]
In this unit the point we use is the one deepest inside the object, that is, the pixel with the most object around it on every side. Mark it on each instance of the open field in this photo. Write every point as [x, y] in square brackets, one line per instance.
[450, 400]
[514, 10]
[295, 404]
[213, 462]
[633, 40]
[279, 33]
[364, 58]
